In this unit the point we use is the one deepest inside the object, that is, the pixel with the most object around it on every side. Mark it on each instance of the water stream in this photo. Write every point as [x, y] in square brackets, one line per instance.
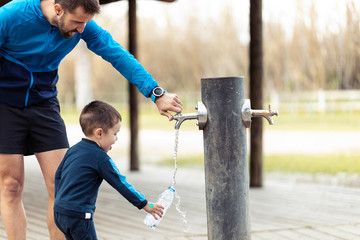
[176, 149]
[177, 205]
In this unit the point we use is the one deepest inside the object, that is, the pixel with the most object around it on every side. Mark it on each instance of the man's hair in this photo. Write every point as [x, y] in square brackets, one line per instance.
[98, 114]
[89, 6]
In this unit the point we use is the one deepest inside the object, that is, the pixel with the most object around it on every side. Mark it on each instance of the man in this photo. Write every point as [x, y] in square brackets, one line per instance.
[35, 35]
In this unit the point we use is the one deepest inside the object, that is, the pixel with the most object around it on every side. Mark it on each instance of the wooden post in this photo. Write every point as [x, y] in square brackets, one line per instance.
[256, 93]
[133, 98]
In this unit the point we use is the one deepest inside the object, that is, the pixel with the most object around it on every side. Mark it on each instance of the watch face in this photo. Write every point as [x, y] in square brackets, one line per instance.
[158, 91]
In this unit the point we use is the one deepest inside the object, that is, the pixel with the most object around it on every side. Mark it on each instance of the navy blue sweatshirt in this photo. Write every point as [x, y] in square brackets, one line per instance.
[78, 178]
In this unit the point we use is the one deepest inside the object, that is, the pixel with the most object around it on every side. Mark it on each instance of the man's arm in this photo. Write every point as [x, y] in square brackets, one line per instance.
[3, 25]
[101, 42]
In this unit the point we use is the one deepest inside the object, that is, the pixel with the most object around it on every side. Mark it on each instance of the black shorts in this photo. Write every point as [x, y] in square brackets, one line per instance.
[34, 129]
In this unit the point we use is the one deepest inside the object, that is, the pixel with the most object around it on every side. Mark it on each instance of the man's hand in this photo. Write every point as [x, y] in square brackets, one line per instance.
[168, 102]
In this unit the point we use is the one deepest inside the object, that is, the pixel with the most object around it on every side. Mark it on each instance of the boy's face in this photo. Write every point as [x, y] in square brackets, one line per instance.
[109, 138]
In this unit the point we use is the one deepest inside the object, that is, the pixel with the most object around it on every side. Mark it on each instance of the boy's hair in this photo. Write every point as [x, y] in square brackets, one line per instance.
[89, 6]
[98, 114]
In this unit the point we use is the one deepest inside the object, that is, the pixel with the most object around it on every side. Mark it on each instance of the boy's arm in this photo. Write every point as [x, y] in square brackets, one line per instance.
[109, 171]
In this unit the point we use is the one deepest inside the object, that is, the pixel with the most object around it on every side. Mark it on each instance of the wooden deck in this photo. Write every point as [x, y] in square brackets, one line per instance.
[283, 209]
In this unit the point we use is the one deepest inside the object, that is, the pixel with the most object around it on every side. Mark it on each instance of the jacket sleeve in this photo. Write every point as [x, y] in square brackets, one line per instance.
[109, 171]
[101, 42]
[4, 24]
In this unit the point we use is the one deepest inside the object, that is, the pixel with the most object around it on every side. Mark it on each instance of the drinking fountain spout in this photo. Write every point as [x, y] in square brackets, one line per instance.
[200, 115]
[248, 113]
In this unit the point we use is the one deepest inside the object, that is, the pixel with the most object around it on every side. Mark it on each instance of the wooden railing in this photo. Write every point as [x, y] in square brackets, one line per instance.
[316, 101]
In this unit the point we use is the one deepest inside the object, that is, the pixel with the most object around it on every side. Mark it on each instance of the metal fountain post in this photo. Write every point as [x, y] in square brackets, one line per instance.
[223, 115]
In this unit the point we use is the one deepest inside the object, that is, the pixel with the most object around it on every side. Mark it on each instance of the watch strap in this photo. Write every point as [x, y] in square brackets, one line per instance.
[153, 98]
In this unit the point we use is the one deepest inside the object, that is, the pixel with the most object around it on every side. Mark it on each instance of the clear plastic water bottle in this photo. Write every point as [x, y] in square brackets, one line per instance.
[165, 199]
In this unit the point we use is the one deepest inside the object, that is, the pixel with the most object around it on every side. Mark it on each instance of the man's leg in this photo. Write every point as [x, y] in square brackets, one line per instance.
[11, 187]
[49, 162]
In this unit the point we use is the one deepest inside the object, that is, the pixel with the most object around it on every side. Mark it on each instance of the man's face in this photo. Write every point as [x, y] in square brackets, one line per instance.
[71, 23]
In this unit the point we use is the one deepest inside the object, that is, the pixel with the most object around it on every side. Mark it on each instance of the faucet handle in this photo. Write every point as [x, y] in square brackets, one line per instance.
[248, 113]
[267, 114]
[200, 115]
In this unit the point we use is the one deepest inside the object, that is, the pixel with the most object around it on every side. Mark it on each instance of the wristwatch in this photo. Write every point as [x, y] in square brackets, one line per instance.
[156, 93]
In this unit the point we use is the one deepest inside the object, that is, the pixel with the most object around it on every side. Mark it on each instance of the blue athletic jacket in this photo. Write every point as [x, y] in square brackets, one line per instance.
[78, 178]
[31, 51]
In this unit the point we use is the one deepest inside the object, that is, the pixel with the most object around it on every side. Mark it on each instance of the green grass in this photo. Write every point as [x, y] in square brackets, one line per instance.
[149, 117]
[337, 121]
[70, 116]
[328, 164]
[290, 163]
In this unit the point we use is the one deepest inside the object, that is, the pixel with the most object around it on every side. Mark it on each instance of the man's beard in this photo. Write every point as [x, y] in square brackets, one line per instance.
[65, 34]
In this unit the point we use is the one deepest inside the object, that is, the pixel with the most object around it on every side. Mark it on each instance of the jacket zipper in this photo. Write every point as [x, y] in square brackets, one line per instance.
[31, 73]
[28, 90]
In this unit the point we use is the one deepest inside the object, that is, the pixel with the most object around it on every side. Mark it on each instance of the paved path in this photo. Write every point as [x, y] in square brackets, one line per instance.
[286, 208]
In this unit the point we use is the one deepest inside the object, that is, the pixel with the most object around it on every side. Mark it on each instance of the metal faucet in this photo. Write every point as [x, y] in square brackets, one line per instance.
[248, 113]
[200, 115]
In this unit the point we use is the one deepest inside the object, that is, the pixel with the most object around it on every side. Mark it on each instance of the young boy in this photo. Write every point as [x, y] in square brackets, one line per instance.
[85, 165]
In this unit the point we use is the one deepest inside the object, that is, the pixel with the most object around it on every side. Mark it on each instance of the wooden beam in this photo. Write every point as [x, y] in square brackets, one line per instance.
[110, 1]
[107, 1]
[133, 98]
[3, 2]
[256, 93]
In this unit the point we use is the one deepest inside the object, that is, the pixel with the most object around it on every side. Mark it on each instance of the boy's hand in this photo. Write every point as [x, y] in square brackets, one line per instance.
[168, 102]
[154, 209]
